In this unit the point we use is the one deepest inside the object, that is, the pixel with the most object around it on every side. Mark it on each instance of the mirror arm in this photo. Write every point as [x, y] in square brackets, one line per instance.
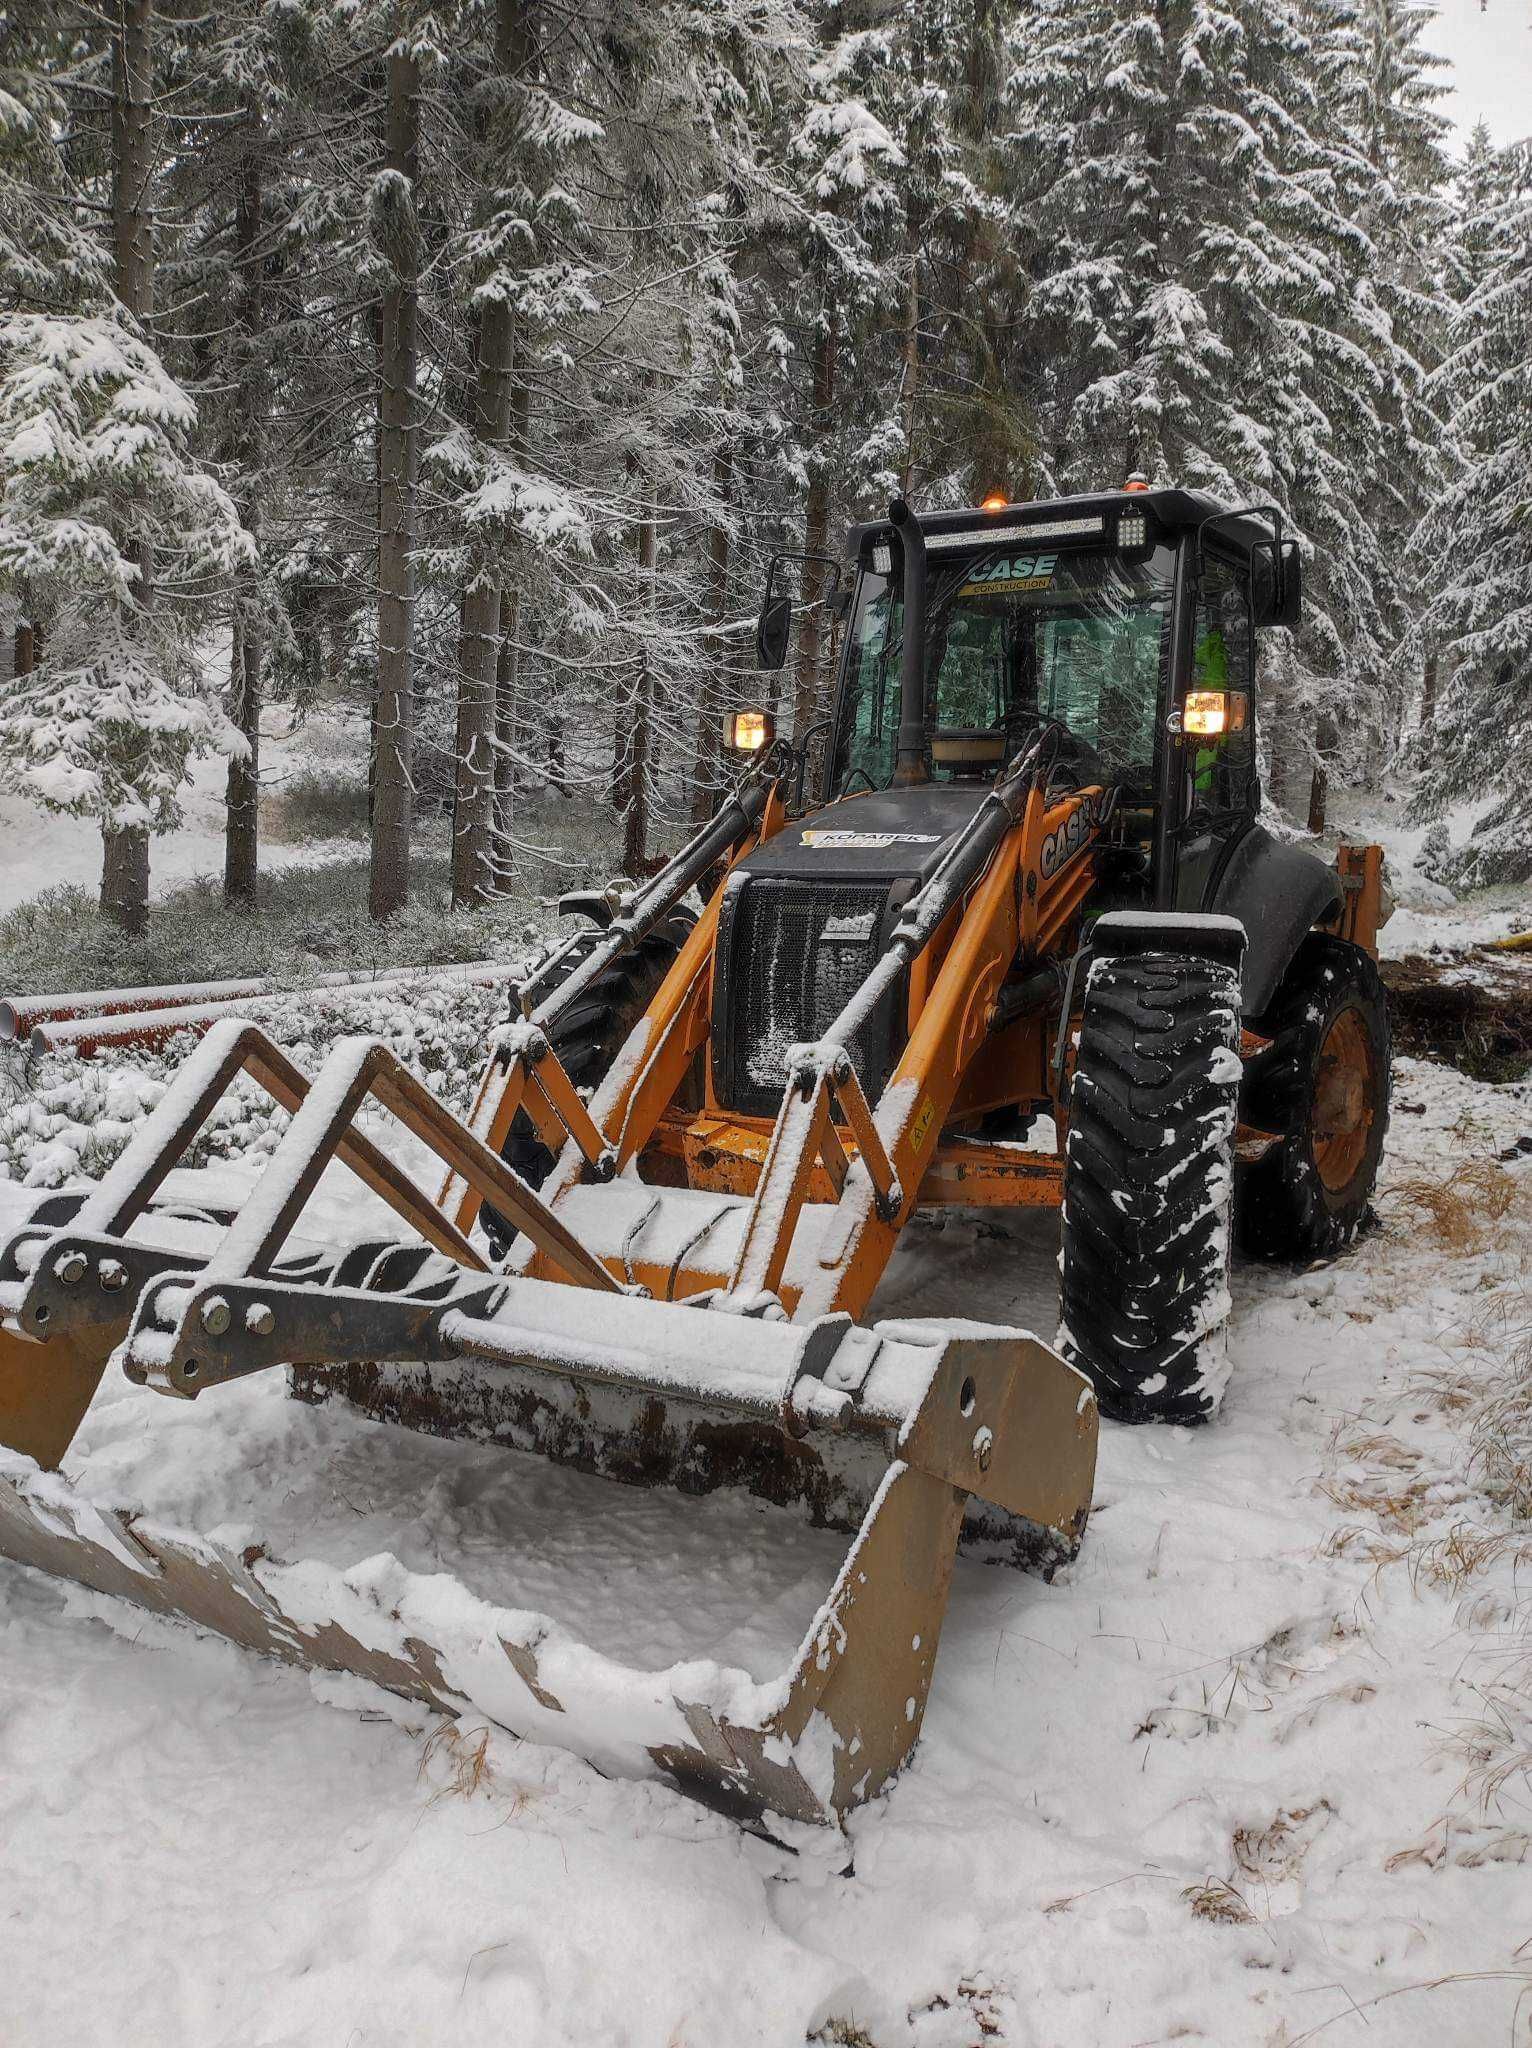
[802, 746]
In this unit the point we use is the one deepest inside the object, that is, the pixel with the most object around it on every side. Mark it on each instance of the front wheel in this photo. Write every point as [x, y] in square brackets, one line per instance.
[1144, 1301]
[1324, 1085]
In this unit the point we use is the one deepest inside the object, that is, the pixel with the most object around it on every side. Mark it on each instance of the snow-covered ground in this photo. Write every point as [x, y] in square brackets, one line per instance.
[39, 849]
[1237, 1776]
[1207, 1786]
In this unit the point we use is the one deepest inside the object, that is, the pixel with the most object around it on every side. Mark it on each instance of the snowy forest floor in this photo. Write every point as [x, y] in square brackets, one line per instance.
[1254, 1770]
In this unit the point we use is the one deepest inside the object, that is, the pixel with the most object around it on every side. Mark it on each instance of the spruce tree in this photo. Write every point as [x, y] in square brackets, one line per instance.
[1477, 538]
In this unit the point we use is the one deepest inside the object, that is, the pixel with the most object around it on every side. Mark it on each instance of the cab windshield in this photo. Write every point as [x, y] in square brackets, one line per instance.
[1015, 637]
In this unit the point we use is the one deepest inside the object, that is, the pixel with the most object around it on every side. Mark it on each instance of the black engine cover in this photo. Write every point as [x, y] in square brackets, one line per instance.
[804, 920]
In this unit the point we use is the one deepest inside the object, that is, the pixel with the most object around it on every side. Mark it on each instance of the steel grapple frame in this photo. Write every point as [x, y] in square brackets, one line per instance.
[717, 1322]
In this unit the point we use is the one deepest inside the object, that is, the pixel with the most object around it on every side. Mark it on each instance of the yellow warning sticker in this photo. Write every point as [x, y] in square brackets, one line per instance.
[920, 1129]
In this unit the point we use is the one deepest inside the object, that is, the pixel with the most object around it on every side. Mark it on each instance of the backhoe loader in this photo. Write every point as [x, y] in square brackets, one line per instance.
[1005, 931]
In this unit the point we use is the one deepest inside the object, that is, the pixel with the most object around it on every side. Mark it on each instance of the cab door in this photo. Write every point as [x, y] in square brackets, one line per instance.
[1219, 792]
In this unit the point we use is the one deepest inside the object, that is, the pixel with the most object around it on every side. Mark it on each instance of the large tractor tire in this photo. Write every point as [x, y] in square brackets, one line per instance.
[1324, 1084]
[1148, 1186]
[587, 1038]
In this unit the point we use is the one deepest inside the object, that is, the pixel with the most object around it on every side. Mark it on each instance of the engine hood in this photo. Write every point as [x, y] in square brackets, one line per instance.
[886, 835]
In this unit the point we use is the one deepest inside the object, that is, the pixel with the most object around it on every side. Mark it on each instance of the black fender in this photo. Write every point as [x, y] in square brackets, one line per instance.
[596, 904]
[1204, 935]
[1278, 893]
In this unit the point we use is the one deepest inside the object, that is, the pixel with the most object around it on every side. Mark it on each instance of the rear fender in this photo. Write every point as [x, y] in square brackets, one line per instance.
[1278, 893]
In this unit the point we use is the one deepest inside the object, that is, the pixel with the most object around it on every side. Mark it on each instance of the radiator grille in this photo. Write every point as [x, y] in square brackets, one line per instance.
[795, 953]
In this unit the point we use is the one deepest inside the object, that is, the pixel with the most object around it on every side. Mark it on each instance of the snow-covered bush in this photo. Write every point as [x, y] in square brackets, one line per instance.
[64, 1119]
[1435, 854]
[1499, 849]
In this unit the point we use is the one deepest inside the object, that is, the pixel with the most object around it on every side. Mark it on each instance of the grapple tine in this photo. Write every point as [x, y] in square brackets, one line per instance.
[45, 1391]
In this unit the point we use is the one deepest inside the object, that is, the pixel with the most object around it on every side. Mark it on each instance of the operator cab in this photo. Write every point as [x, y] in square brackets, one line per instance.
[1126, 618]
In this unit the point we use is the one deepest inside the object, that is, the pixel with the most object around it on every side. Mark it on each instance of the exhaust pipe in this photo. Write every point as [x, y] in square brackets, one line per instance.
[910, 754]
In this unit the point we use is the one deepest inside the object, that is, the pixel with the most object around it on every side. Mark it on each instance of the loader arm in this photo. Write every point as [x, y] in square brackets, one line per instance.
[1011, 889]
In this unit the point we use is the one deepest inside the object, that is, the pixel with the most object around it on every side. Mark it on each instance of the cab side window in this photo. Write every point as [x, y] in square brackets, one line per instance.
[1222, 769]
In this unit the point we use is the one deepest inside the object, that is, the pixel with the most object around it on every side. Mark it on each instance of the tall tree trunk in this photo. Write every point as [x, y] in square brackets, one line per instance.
[1319, 783]
[394, 702]
[1428, 691]
[473, 804]
[910, 391]
[506, 681]
[710, 705]
[473, 819]
[125, 850]
[242, 823]
[816, 537]
[10, 633]
[635, 823]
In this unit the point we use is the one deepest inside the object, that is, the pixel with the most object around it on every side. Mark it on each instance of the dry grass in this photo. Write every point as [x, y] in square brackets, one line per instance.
[836, 2033]
[1216, 1899]
[1276, 1851]
[1459, 1213]
[1466, 1550]
[465, 1757]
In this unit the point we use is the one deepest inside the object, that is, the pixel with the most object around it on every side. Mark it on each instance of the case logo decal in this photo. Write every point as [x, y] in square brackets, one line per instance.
[1011, 572]
[1076, 831]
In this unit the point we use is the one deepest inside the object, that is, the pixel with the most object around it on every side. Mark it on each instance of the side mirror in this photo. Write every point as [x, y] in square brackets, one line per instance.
[1277, 584]
[773, 630]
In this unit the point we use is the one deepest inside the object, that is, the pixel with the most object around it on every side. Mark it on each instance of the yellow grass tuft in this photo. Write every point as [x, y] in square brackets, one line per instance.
[465, 1756]
[1458, 1212]
[1216, 1899]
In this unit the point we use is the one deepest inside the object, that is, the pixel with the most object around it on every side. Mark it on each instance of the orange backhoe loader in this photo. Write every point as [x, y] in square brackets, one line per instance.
[1024, 943]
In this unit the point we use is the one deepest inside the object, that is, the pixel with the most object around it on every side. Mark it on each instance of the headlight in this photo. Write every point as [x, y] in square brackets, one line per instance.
[746, 732]
[1206, 715]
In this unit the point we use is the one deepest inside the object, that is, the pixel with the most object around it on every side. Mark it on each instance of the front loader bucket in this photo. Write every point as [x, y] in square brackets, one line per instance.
[829, 1732]
[188, 1302]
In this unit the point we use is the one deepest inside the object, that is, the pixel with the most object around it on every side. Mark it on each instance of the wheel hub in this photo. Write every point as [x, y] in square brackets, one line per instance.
[1345, 1092]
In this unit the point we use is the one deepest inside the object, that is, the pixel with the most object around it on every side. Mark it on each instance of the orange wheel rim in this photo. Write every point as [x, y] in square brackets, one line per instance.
[1345, 1097]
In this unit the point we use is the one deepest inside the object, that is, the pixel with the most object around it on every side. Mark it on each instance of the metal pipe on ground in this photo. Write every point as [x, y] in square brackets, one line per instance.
[149, 1029]
[19, 1015]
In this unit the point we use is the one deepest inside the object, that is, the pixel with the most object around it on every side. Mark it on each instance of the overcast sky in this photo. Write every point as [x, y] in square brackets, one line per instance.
[1490, 44]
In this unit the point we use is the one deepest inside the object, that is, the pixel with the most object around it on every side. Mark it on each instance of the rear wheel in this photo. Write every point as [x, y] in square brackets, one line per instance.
[587, 1038]
[1147, 1186]
[1324, 1084]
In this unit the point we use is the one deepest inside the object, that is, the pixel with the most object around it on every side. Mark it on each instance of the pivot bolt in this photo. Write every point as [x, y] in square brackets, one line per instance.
[260, 1320]
[113, 1276]
[215, 1316]
[71, 1268]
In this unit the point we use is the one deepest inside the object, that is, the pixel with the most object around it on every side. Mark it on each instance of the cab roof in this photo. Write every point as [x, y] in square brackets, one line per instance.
[1176, 511]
